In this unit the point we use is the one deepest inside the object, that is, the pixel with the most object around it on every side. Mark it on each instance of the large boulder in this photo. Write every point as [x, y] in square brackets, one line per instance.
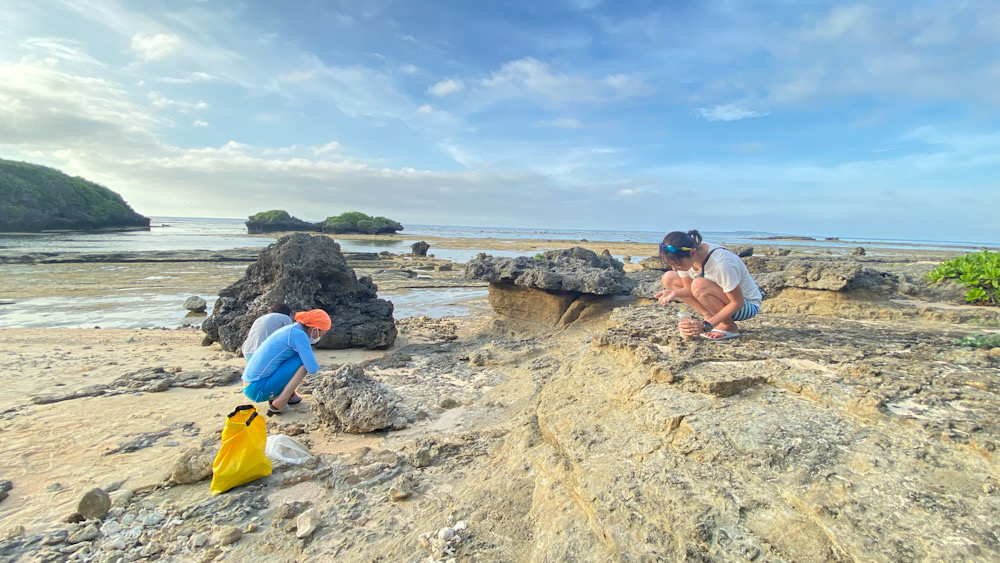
[351, 401]
[304, 272]
[557, 287]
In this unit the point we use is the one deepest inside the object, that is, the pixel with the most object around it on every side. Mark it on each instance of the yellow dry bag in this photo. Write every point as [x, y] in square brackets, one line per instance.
[241, 458]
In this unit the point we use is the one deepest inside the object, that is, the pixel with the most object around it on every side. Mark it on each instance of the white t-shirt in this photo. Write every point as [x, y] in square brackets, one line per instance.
[726, 269]
[262, 328]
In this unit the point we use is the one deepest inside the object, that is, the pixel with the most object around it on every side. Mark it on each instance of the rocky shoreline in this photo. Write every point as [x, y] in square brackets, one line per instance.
[846, 423]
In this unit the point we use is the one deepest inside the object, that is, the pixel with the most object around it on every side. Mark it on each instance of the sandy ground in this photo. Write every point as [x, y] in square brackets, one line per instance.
[54, 453]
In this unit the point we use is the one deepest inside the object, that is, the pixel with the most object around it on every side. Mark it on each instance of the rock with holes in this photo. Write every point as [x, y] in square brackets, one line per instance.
[351, 401]
[304, 272]
[558, 287]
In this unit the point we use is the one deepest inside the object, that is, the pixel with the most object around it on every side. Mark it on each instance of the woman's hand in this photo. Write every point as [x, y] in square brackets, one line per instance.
[689, 327]
[665, 296]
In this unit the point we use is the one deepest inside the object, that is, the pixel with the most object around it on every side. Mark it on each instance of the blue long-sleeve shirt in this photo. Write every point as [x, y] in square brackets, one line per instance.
[283, 344]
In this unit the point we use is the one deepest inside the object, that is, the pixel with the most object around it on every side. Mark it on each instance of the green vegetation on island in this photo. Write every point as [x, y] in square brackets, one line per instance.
[35, 198]
[980, 272]
[357, 222]
[279, 220]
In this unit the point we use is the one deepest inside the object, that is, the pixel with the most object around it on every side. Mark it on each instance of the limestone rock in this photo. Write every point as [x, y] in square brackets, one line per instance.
[419, 248]
[306, 523]
[195, 304]
[304, 272]
[227, 535]
[193, 465]
[575, 270]
[402, 488]
[94, 505]
[558, 289]
[351, 401]
[654, 263]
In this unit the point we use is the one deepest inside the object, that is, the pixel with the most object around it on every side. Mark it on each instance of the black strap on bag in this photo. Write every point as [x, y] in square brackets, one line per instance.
[243, 408]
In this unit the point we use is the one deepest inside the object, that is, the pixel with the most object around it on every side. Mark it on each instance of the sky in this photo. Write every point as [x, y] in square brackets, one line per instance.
[877, 120]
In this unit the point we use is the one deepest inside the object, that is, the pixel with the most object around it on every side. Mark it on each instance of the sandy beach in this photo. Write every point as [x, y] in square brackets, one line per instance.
[840, 426]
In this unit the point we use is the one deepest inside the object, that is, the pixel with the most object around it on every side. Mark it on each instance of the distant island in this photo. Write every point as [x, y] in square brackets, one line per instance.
[786, 238]
[35, 198]
[354, 222]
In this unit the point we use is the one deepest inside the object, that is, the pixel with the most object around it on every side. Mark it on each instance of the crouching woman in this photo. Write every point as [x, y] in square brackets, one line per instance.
[711, 280]
[281, 362]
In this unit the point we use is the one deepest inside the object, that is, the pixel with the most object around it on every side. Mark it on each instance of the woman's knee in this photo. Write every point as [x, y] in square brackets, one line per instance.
[704, 286]
[672, 281]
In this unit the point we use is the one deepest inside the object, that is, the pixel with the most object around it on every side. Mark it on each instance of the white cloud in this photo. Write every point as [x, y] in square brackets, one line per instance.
[60, 48]
[44, 105]
[844, 20]
[332, 147]
[200, 123]
[155, 47]
[729, 112]
[191, 78]
[425, 109]
[531, 78]
[446, 87]
[633, 192]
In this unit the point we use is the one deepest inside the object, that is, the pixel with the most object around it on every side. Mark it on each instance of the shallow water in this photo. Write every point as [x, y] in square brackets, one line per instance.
[143, 309]
[156, 305]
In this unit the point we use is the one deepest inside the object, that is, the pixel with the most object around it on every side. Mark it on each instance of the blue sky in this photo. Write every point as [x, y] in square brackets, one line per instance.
[875, 120]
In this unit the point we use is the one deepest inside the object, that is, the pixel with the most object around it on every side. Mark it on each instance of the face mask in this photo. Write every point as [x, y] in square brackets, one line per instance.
[314, 340]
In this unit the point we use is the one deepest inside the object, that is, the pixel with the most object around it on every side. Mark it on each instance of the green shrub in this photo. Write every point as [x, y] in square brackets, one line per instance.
[357, 222]
[980, 341]
[980, 272]
[271, 216]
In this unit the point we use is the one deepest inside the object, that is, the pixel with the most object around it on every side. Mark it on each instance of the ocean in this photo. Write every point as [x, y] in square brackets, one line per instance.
[147, 308]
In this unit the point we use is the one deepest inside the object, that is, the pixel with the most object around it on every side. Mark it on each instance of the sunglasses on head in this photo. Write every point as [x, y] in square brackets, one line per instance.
[672, 249]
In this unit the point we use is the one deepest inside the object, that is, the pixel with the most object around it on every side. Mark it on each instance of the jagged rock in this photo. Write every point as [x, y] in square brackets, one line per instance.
[120, 497]
[193, 465]
[87, 533]
[575, 270]
[195, 304]
[837, 275]
[654, 263]
[419, 248]
[561, 287]
[402, 488]
[859, 251]
[94, 505]
[304, 272]
[227, 535]
[5, 487]
[743, 251]
[351, 401]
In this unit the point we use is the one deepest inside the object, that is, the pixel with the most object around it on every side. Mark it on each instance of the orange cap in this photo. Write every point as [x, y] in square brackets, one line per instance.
[316, 318]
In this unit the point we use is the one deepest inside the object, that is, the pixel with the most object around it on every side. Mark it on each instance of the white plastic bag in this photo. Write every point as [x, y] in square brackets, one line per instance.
[283, 448]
